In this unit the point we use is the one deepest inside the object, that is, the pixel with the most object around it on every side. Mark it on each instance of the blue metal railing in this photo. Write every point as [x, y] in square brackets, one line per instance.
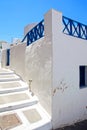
[71, 27]
[74, 28]
[35, 33]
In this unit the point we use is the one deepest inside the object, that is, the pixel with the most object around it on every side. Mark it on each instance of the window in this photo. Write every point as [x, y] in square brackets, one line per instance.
[8, 57]
[83, 76]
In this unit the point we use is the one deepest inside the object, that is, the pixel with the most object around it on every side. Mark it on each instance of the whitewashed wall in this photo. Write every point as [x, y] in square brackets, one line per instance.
[69, 101]
[3, 59]
[38, 69]
[28, 28]
[17, 59]
[5, 46]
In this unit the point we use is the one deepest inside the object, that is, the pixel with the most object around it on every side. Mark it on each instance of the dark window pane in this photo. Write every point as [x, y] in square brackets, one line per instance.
[82, 75]
[8, 57]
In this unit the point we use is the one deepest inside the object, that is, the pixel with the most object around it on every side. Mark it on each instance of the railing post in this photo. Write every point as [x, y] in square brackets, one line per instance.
[79, 31]
[70, 27]
[27, 39]
[86, 32]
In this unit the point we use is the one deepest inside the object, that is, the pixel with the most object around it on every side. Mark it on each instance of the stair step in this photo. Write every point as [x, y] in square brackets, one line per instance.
[5, 71]
[11, 77]
[13, 86]
[30, 118]
[18, 103]
[16, 100]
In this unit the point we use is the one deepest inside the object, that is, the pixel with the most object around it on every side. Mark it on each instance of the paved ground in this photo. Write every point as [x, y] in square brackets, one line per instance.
[78, 126]
[9, 121]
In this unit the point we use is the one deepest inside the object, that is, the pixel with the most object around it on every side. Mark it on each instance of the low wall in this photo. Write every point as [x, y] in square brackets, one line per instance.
[17, 59]
[3, 59]
[38, 64]
[69, 103]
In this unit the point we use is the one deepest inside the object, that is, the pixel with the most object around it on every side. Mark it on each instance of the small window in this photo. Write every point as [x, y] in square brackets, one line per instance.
[83, 76]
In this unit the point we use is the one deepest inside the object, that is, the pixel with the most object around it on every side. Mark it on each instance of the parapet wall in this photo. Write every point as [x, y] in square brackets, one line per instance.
[38, 68]
[17, 59]
[3, 59]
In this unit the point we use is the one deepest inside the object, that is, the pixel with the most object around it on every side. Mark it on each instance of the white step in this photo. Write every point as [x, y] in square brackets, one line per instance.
[5, 71]
[30, 118]
[16, 100]
[11, 77]
[13, 86]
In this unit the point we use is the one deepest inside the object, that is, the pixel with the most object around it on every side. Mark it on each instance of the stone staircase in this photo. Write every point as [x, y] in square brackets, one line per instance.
[17, 102]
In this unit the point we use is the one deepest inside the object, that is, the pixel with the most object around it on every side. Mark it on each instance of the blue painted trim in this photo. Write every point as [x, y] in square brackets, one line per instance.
[71, 27]
[74, 28]
[35, 33]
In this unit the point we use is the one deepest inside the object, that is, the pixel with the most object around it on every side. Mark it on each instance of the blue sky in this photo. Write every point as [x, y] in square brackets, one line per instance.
[16, 14]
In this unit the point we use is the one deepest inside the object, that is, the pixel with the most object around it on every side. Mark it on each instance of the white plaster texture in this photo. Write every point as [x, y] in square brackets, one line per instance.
[3, 59]
[38, 66]
[17, 59]
[69, 101]
[29, 27]
[5, 46]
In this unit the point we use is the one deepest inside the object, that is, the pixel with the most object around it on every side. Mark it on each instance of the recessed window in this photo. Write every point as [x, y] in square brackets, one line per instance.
[83, 76]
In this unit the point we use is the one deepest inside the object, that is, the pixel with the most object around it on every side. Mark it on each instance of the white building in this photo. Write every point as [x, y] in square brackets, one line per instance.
[57, 65]
[3, 46]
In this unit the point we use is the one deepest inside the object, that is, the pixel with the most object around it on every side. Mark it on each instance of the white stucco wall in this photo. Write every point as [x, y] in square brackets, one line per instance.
[3, 59]
[5, 46]
[38, 66]
[17, 59]
[28, 28]
[38, 69]
[69, 101]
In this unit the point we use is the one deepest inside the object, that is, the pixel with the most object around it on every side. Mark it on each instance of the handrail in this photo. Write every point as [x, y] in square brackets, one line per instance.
[74, 28]
[35, 33]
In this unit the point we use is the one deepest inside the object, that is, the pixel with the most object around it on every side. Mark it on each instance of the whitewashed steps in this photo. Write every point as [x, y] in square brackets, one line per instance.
[11, 77]
[5, 71]
[16, 100]
[13, 86]
[32, 118]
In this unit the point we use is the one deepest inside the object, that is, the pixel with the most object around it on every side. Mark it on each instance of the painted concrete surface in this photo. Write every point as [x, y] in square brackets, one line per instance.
[40, 119]
[21, 110]
[9, 121]
[9, 85]
[17, 59]
[13, 86]
[69, 53]
[77, 126]
[38, 70]
[32, 115]
[12, 77]
[16, 100]
[3, 59]
[4, 99]
[29, 27]
[5, 71]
